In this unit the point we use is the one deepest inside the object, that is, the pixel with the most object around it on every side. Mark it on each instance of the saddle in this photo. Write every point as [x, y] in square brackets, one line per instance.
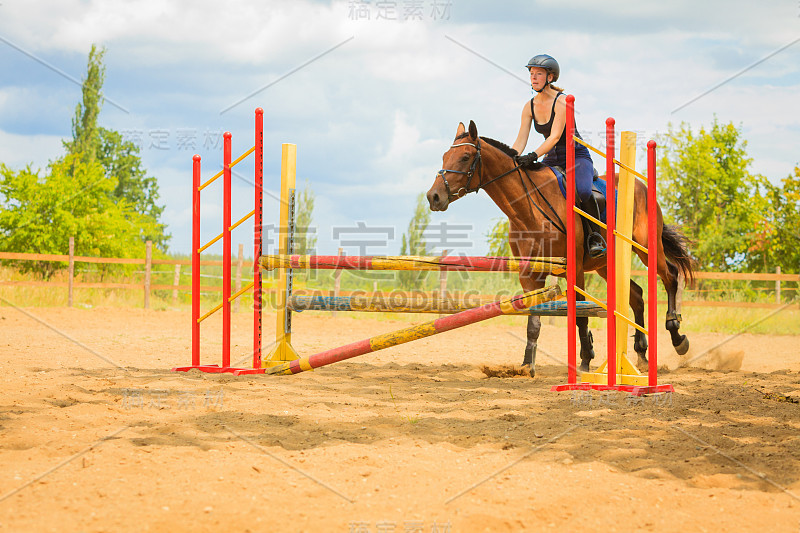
[598, 188]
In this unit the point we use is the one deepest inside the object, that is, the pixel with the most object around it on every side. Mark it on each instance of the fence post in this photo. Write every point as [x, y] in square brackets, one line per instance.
[778, 286]
[71, 269]
[337, 282]
[239, 264]
[176, 281]
[148, 261]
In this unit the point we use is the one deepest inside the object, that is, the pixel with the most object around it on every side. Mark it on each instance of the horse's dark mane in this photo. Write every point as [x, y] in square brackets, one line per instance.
[510, 152]
[506, 149]
[503, 147]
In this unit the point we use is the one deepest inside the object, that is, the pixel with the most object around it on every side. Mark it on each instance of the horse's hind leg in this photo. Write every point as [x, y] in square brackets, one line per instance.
[585, 336]
[673, 323]
[639, 338]
[534, 328]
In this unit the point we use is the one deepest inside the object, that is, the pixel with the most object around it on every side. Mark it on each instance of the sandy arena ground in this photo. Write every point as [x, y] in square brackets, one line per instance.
[98, 434]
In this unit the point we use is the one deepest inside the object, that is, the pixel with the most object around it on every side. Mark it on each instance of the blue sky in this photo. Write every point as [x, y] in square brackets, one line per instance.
[373, 113]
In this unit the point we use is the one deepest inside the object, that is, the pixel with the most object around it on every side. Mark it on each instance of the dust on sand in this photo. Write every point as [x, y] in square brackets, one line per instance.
[98, 434]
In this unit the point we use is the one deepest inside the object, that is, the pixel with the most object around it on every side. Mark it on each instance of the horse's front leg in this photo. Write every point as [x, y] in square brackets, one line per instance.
[533, 330]
[530, 281]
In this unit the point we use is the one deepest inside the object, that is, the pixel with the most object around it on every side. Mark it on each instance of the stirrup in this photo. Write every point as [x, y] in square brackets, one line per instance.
[599, 248]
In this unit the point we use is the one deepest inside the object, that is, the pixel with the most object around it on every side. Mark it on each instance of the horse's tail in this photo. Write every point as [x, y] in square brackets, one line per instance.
[677, 251]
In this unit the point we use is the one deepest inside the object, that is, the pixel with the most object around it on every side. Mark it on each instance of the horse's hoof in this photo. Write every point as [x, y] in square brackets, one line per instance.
[643, 365]
[683, 347]
[529, 368]
[584, 366]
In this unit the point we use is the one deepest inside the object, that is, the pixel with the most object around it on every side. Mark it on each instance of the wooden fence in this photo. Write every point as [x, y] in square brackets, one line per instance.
[240, 264]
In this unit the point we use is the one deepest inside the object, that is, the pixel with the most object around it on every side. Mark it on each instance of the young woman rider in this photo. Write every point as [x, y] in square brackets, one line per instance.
[547, 112]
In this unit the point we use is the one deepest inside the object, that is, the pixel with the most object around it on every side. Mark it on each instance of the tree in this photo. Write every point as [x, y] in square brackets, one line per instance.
[40, 213]
[120, 159]
[85, 136]
[413, 242]
[705, 187]
[777, 237]
[305, 240]
[498, 239]
[98, 192]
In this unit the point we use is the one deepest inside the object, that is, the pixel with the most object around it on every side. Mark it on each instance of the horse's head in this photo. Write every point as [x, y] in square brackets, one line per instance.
[459, 165]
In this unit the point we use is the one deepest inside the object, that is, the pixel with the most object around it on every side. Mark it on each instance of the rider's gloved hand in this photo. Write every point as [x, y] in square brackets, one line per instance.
[527, 159]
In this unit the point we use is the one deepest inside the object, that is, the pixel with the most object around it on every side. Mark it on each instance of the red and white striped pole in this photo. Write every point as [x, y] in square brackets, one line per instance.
[226, 253]
[195, 260]
[258, 227]
[652, 265]
[572, 371]
[611, 267]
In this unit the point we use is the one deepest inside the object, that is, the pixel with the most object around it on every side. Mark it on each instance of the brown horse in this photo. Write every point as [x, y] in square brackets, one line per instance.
[535, 207]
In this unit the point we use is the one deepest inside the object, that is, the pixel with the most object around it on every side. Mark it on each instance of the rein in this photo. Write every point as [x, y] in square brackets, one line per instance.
[471, 172]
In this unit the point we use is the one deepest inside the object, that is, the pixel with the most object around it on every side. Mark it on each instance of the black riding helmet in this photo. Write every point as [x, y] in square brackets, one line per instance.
[548, 63]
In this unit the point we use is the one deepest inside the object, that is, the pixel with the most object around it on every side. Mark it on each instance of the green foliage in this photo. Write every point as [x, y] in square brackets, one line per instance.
[498, 239]
[40, 213]
[98, 193]
[413, 242]
[776, 239]
[85, 137]
[305, 241]
[706, 188]
[121, 160]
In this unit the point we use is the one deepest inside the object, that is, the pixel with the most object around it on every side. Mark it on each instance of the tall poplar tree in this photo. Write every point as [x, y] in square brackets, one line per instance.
[120, 159]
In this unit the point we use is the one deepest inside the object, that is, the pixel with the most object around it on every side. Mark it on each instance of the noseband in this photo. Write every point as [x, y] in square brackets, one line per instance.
[465, 189]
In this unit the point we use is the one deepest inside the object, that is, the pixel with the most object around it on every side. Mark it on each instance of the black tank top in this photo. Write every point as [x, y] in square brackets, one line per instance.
[557, 156]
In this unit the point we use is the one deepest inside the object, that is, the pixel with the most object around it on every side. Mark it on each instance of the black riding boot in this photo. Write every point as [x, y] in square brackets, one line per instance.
[595, 243]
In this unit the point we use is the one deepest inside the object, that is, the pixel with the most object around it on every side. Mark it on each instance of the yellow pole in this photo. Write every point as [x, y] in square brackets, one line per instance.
[283, 350]
[625, 194]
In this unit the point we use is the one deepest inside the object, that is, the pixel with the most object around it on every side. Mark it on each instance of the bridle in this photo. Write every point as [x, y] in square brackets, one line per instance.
[471, 172]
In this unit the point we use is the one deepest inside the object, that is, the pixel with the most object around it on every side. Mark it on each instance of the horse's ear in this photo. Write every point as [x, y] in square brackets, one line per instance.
[473, 130]
[461, 129]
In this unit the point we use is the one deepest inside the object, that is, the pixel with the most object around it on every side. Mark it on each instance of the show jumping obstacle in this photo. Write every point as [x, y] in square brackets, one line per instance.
[402, 336]
[616, 374]
[283, 353]
[423, 303]
[553, 265]
[227, 227]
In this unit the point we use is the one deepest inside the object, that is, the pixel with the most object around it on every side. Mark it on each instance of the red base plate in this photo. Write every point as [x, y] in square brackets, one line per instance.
[212, 369]
[636, 390]
[249, 371]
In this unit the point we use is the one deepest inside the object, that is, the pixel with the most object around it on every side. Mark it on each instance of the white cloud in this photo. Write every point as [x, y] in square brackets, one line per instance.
[17, 151]
[372, 118]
